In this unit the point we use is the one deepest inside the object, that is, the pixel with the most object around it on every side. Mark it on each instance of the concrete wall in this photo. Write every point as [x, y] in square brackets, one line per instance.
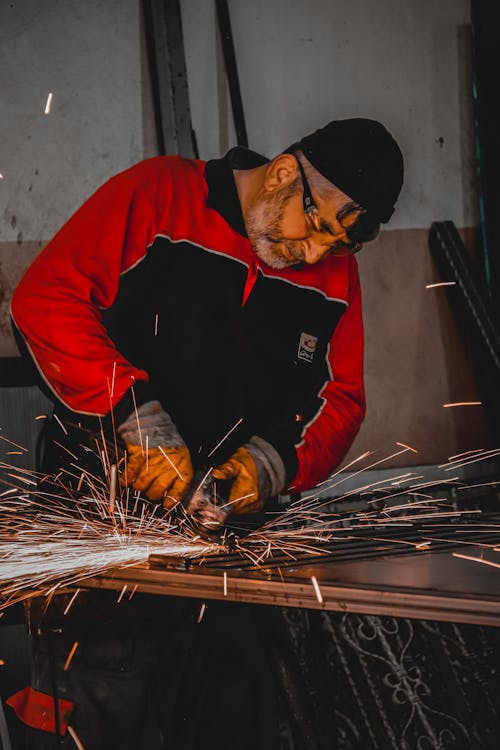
[88, 55]
[402, 61]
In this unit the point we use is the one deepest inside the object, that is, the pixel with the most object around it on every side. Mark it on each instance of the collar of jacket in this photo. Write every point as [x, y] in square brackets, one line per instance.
[222, 192]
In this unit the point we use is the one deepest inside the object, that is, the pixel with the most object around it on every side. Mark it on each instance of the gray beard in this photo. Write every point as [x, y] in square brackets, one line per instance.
[264, 221]
[266, 250]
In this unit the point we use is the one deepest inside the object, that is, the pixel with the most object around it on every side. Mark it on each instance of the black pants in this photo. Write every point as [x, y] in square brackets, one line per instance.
[149, 676]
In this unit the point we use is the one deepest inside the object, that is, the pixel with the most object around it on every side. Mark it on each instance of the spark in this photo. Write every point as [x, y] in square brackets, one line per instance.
[482, 457]
[476, 559]
[60, 445]
[344, 468]
[174, 467]
[225, 436]
[49, 103]
[351, 476]
[133, 591]
[13, 443]
[460, 541]
[22, 479]
[408, 447]
[63, 428]
[462, 403]
[466, 453]
[46, 542]
[137, 418]
[41, 416]
[70, 656]
[204, 480]
[112, 489]
[243, 497]
[112, 391]
[473, 486]
[440, 283]
[202, 612]
[122, 594]
[71, 602]
[156, 324]
[317, 589]
[433, 483]
[75, 738]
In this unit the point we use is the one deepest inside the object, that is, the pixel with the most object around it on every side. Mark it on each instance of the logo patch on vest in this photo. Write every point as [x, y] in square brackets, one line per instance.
[307, 347]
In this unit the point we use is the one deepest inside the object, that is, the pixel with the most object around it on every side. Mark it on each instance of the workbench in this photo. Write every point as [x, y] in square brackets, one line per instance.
[353, 575]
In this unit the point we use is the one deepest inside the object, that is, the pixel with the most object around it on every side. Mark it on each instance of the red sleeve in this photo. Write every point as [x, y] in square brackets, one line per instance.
[329, 436]
[57, 306]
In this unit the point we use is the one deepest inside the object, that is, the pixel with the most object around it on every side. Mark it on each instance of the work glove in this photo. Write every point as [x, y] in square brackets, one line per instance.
[258, 473]
[158, 460]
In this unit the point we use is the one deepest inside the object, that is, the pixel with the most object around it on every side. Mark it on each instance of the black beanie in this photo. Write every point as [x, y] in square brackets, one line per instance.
[362, 159]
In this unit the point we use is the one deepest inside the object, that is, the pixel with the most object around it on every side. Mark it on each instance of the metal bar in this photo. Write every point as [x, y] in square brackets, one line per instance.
[353, 548]
[449, 254]
[163, 27]
[479, 151]
[152, 53]
[485, 27]
[178, 79]
[473, 315]
[425, 583]
[226, 35]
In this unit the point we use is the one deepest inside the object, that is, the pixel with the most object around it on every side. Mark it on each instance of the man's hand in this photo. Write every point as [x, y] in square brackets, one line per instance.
[244, 495]
[258, 473]
[161, 473]
[158, 461]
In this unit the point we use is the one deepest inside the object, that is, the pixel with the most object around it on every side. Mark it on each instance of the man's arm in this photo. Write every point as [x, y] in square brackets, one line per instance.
[57, 305]
[57, 309]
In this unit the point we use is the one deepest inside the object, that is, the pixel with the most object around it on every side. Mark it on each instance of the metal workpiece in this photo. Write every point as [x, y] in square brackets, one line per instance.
[454, 582]
[167, 61]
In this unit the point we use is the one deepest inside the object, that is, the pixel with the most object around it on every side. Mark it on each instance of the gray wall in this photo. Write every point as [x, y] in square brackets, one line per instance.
[300, 64]
[401, 61]
[87, 54]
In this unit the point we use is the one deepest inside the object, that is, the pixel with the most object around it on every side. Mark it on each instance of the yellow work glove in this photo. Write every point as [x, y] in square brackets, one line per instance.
[162, 474]
[258, 473]
[244, 495]
[158, 461]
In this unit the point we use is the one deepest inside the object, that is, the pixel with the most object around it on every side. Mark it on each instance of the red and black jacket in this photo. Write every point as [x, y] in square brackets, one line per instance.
[154, 284]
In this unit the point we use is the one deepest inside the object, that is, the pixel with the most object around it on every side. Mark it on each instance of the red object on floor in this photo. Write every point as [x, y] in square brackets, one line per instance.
[36, 709]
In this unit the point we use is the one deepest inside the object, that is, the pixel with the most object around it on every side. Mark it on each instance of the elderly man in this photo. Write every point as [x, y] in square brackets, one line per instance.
[214, 295]
[187, 302]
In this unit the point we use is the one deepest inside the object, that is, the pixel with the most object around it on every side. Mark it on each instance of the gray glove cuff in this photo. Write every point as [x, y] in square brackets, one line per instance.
[270, 468]
[153, 423]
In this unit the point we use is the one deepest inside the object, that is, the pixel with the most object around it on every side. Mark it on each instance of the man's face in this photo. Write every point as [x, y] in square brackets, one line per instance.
[281, 234]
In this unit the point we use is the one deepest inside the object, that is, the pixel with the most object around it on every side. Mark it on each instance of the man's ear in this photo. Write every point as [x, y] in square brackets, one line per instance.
[280, 173]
